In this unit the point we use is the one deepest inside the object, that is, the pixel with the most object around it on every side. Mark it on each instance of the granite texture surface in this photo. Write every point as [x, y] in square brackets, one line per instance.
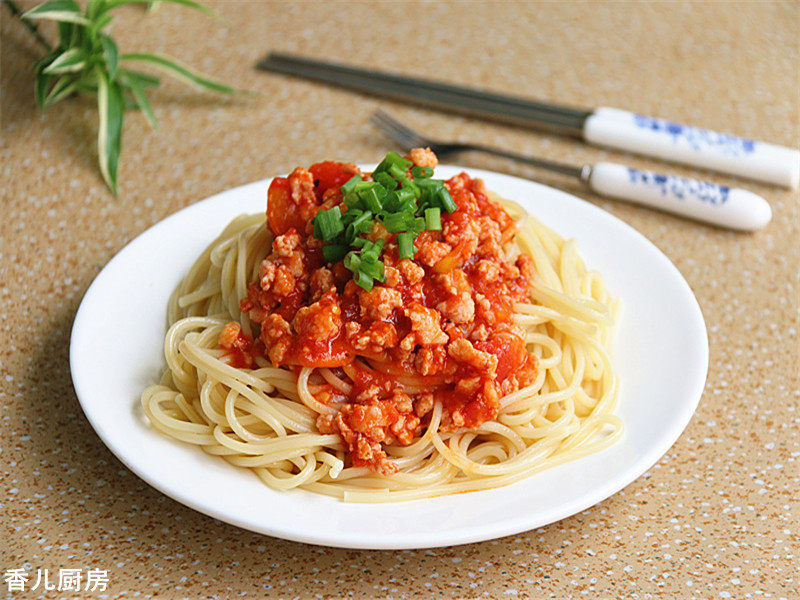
[716, 517]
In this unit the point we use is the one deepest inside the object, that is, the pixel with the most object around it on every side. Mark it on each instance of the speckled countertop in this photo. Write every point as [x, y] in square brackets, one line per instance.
[717, 517]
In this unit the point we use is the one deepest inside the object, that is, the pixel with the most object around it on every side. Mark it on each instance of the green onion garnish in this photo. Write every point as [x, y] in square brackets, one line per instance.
[405, 245]
[433, 220]
[350, 185]
[405, 205]
[447, 200]
[328, 224]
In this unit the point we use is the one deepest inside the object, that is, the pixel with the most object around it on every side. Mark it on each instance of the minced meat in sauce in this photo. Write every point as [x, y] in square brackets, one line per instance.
[443, 319]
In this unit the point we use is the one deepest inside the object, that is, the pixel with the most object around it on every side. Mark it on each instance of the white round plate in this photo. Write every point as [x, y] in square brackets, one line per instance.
[661, 353]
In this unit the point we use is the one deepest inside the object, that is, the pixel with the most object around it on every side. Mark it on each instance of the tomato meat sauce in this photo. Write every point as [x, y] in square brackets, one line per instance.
[440, 327]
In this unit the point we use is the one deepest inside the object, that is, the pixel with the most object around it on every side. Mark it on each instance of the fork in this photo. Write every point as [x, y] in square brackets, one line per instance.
[719, 205]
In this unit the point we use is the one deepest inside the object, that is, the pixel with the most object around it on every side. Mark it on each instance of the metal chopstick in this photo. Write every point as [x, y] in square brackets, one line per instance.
[432, 93]
[603, 126]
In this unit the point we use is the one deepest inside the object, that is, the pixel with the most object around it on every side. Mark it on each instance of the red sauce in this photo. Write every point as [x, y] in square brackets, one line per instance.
[445, 319]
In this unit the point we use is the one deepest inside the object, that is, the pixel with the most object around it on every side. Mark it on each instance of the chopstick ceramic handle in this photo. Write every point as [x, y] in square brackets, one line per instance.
[700, 200]
[674, 142]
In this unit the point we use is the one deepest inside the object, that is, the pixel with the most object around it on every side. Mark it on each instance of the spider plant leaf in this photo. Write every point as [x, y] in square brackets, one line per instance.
[65, 33]
[94, 7]
[40, 64]
[139, 95]
[74, 59]
[144, 79]
[66, 11]
[41, 85]
[179, 71]
[111, 4]
[110, 107]
[111, 54]
[65, 86]
[100, 23]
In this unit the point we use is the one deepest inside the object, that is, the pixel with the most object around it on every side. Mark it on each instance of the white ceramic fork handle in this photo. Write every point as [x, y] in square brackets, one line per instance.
[692, 146]
[700, 200]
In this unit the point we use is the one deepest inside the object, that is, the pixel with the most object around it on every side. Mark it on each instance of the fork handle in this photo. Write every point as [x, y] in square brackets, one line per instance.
[719, 205]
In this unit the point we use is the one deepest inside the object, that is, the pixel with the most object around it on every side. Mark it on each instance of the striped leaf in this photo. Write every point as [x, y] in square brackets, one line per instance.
[110, 4]
[65, 33]
[136, 88]
[144, 79]
[66, 11]
[179, 71]
[111, 54]
[69, 61]
[65, 86]
[110, 107]
[41, 85]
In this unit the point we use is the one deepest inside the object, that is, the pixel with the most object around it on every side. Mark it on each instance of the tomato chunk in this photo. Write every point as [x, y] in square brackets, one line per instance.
[282, 212]
[329, 174]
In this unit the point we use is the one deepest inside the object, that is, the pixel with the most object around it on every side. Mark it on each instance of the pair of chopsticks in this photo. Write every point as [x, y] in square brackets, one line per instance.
[603, 126]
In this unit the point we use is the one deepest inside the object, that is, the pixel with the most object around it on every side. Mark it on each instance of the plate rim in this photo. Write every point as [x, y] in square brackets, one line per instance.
[512, 526]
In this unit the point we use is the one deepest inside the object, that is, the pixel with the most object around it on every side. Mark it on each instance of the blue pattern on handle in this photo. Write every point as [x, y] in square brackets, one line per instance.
[698, 139]
[680, 187]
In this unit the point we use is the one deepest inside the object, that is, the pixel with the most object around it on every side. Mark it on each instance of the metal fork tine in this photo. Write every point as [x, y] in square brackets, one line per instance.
[389, 127]
[397, 130]
[400, 127]
[411, 139]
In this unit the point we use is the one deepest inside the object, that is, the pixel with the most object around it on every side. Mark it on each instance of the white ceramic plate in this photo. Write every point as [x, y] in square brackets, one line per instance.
[661, 353]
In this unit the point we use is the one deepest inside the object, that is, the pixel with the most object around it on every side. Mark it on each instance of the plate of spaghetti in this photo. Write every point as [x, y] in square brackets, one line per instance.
[404, 355]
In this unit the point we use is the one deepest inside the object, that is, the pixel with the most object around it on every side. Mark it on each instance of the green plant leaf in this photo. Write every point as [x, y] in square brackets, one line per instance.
[179, 71]
[141, 98]
[94, 7]
[144, 79]
[46, 60]
[65, 32]
[110, 107]
[66, 11]
[100, 23]
[65, 86]
[40, 87]
[70, 61]
[111, 4]
[111, 54]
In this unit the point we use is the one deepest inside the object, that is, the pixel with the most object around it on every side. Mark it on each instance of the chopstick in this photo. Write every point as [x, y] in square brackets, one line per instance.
[436, 94]
[604, 126]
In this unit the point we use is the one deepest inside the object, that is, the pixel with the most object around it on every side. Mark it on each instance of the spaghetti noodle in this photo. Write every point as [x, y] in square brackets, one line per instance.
[233, 401]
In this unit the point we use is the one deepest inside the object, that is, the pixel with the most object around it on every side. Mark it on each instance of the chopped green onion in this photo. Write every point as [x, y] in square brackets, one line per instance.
[392, 159]
[421, 172]
[395, 222]
[352, 261]
[447, 200]
[433, 219]
[362, 186]
[406, 205]
[353, 201]
[364, 280]
[361, 224]
[386, 180]
[398, 172]
[374, 269]
[328, 223]
[372, 200]
[405, 194]
[350, 185]
[405, 245]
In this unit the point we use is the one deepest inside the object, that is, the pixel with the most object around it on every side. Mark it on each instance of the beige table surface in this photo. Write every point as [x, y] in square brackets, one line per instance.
[717, 517]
